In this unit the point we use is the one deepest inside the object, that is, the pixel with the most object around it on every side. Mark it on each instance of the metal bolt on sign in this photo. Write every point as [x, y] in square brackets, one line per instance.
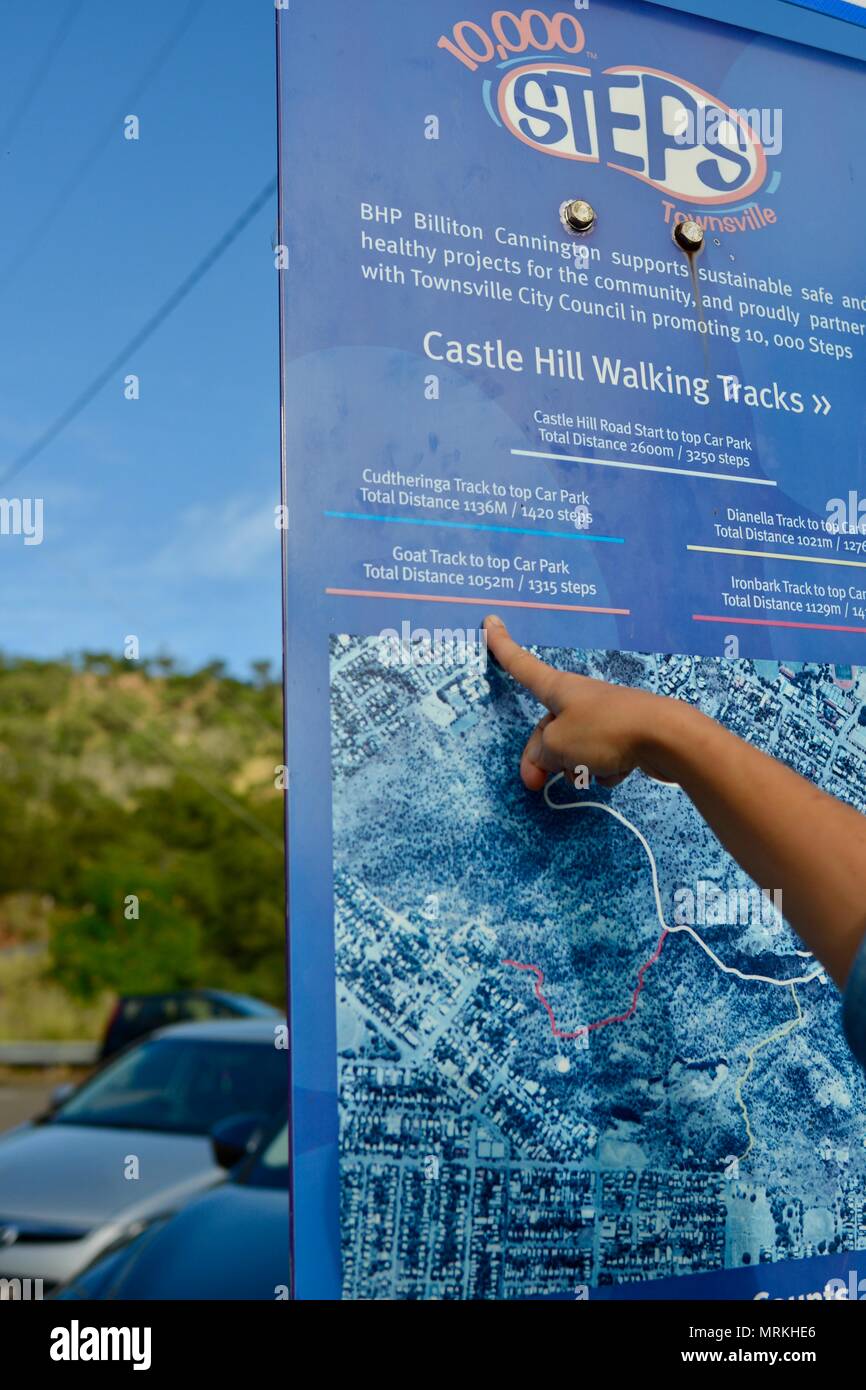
[689, 235]
[579, 215]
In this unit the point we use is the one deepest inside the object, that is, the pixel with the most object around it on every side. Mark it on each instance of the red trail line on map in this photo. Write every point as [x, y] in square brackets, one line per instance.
[602, 1022]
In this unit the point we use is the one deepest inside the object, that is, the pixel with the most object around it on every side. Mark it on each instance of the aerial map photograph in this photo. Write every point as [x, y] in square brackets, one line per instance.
[577, 1047]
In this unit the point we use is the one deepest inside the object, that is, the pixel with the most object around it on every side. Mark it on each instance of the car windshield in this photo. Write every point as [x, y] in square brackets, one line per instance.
[271, 1167]
[181, 1086]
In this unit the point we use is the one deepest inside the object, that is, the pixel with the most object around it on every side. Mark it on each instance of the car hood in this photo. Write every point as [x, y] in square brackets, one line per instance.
[74, 1177]
[232, 1243]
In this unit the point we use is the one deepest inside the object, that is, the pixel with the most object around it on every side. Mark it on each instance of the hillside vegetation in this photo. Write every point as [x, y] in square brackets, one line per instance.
[122, 781]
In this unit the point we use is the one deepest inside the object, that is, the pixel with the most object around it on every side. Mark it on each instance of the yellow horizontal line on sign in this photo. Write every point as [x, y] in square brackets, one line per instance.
[771, 555]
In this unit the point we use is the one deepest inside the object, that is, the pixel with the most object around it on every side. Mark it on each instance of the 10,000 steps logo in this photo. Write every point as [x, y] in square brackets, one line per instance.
[652, 125]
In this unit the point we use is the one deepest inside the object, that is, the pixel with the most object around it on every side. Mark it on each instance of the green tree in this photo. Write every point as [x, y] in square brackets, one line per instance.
[106, 946]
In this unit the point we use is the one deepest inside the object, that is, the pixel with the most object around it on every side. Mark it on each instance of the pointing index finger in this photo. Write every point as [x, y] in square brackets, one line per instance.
[537, 677]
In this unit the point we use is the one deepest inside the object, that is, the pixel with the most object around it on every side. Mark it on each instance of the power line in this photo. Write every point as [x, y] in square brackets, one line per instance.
[37, 235]
[122, 358]
[39, 76]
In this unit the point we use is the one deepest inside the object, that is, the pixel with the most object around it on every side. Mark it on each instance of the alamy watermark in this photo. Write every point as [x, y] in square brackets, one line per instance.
[846, 516]
[83, 1343]
[853, 1288]
[22, 516]
[446, 647]
[713, 125]
[21, 1290]
[707, 905]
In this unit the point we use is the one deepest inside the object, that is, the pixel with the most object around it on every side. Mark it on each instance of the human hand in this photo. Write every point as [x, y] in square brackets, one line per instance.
[609, 730]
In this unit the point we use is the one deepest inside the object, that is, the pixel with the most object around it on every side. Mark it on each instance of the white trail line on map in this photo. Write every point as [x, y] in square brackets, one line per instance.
[690, 931]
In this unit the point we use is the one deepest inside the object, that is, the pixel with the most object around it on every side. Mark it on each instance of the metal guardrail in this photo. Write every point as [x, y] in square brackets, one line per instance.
[48, 1054]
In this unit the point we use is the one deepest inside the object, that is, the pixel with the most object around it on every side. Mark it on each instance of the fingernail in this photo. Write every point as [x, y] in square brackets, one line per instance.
[492, 621]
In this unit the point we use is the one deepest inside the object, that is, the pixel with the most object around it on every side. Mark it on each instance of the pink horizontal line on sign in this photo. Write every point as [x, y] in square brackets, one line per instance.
[771, 622]
[488, 602]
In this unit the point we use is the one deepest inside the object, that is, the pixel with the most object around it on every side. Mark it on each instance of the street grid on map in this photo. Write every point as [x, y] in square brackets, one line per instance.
[540, 1090]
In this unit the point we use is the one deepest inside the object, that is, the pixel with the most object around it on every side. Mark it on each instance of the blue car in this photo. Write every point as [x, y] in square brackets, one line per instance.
[136, 1015]
[133, 1144]
[231, 1243]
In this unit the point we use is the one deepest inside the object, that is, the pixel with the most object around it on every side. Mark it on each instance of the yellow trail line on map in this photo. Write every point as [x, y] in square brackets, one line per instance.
[775, 1036]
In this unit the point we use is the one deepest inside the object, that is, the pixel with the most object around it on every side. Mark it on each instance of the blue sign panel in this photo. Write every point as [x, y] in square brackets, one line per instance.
[812, 22]
[851, 11]
[574, 309]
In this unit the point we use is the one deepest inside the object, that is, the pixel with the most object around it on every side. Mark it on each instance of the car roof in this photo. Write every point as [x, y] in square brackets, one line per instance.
[244, 1004]
[256, 1008]
[220, 1030]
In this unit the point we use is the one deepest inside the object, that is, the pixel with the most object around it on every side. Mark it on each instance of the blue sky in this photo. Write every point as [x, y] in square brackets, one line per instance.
[158, 513]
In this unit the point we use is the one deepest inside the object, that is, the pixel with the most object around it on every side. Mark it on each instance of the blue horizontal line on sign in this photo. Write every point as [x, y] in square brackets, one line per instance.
[475, 526]
[644, 467]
